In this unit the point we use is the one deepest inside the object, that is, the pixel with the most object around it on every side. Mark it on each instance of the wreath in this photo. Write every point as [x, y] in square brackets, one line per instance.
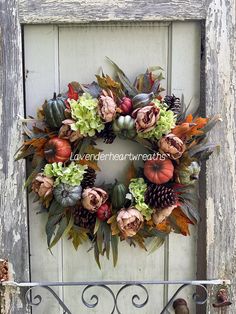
[159, 198]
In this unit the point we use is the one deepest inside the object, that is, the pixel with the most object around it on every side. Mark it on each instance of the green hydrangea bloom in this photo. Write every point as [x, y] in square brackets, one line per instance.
[84, 112]
[72, 174]
[165, 123]
[137, 188]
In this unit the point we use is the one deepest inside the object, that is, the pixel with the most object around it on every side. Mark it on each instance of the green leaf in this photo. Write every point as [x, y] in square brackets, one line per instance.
[114, 246]
[190, 211]
[96, 255]
[51, 227]
[63, 229]
[97, 225]
[156, 244]
[107, 238]
[99, 240]
[55, 208]
[34, 172]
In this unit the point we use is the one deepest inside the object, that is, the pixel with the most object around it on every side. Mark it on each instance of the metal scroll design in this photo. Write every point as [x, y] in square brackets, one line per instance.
[92, 300]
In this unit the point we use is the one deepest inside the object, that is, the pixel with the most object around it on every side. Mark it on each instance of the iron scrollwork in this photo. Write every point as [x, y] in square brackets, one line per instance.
[91, 300]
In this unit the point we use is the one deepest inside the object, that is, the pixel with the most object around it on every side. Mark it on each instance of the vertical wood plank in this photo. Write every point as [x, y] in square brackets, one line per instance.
[13, 207]
[221, 169]
[41, 68]
[185, 80]
[82, 51]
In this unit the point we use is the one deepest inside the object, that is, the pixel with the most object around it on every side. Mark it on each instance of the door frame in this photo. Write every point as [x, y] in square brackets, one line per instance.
[218, 234]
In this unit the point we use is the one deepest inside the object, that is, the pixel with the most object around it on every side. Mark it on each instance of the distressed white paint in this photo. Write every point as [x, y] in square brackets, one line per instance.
[73, 11]
[80, 55]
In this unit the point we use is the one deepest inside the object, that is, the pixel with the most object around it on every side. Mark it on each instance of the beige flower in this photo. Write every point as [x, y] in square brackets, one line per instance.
[66, 133]
[129, 221]
[146, 118]
[107, 107]
[42, 185]
[93, 198]
[161, 214]
[172, 146]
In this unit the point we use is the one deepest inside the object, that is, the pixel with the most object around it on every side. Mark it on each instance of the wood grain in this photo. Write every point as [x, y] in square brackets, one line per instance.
[13, 209]
[221, 169]
[74, 11]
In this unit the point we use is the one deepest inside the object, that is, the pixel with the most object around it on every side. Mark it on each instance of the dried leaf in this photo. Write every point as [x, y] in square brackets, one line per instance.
[90, 164]
[140, 241]
[124, 79]
[156, 244]
[180, 221]
[131, 173]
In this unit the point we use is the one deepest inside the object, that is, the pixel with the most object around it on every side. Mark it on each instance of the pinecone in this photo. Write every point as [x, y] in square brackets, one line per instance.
[83, 218]
[107, 134]
[173, 103]
[89, 178]
[160, 196]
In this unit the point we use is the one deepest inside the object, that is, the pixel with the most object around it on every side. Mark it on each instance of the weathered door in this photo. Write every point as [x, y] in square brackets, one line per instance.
[56, 55]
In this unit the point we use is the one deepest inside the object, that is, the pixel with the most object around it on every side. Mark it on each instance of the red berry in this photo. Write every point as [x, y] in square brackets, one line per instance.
[104, 212]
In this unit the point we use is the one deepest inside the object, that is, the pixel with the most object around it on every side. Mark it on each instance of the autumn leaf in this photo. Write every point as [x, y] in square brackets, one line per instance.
[91, 164]
[164, 226]
[114, 226]
[180, 221]
[131, 173]
[190, 127]
[140, 241]
[107, 82]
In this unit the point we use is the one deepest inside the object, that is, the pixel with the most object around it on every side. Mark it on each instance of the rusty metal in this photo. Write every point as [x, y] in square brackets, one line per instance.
[4, 275]
[180, 306]
[222, 298]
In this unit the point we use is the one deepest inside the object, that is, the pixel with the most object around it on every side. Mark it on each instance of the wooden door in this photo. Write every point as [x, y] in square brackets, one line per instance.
[56, 55]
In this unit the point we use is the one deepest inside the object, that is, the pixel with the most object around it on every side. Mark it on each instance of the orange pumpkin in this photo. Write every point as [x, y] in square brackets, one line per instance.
[57, 150]
[158, 171]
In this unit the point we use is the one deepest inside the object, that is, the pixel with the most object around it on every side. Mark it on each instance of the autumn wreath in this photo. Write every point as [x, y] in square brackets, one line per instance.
[159, 198]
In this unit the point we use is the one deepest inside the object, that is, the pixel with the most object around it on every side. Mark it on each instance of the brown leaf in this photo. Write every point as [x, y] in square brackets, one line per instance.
[181, 221]
[131, 173]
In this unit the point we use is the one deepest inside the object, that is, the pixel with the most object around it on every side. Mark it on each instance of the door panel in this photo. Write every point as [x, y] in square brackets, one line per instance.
[55, 56]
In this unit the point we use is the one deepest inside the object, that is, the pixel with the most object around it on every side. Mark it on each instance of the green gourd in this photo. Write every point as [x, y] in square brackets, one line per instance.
[142, 100]
[67, 195]
[54, 110]
[124, 127]
[119, 195]
[190, 173]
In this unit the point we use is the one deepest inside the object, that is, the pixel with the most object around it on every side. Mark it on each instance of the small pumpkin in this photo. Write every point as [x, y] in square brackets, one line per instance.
[119, 195]
[54, 110]
[158, 170]
[126, 105]
[67, 195]
[57, 150]
[124, 127]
